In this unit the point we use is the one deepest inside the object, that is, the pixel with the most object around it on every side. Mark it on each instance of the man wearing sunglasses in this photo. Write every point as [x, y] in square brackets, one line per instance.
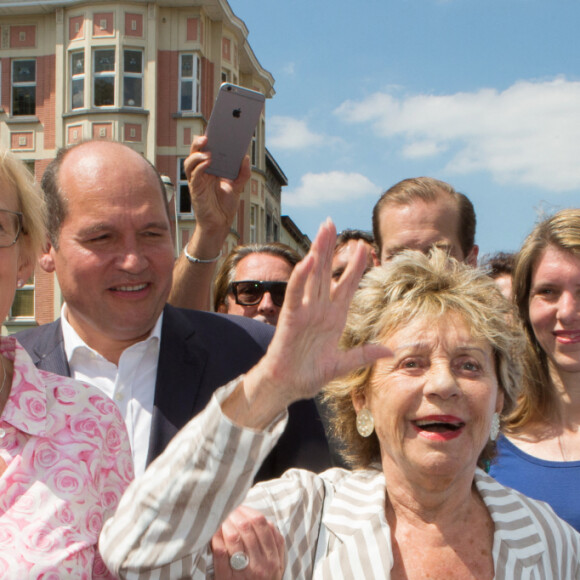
[252, 281]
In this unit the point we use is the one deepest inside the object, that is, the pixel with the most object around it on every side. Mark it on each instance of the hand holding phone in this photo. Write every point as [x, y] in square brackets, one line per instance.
[231, 125]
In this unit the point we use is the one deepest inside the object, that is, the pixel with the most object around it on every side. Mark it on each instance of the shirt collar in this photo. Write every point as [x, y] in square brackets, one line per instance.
[73, 342]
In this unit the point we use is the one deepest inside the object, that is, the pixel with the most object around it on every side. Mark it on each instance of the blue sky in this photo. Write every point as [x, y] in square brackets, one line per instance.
[483, 95]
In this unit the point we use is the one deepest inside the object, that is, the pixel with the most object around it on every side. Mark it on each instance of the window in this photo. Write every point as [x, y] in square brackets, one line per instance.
[133, 78]
[24, 87]
[183, 199]
[254, 150]
[189, 83]
[104, 77]
[253, 220]
[269, 236]
[225, 76]
[23, 305]
[77, 73]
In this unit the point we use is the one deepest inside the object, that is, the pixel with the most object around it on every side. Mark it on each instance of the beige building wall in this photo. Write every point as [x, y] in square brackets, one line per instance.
[143, 73]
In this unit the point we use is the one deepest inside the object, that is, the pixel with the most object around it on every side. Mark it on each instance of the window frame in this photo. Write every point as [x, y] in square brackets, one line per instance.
[134, 75]
[22, 84]
[254, 149]
[194, 81]
[253, 223]
[103, 75]
[29, 286]
[182, 187]
[78, 77]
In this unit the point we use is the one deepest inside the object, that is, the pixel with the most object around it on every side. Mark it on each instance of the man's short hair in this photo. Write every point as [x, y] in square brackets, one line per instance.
[56, 202]
[227, 272]
[350, 234]
[499, 264]
[429, 190]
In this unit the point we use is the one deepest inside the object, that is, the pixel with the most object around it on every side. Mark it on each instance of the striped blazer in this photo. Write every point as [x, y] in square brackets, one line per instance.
[334, 523]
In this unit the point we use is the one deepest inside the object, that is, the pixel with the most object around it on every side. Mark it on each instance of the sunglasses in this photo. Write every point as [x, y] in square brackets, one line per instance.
[251, 292]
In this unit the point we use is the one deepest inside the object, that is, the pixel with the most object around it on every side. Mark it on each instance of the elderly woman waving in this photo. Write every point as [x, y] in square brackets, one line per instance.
[430, 357]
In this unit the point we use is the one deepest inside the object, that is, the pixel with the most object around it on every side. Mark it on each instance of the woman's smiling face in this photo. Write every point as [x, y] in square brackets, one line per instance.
[434, 399]
[554, 307]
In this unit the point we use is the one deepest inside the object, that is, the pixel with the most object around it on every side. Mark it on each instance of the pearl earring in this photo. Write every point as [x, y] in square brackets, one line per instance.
[20, 283]
[365, 424]
[494, 431]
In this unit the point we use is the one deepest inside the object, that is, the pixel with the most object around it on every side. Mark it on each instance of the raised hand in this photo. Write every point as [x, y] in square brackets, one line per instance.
[304, 354]
[214, 200]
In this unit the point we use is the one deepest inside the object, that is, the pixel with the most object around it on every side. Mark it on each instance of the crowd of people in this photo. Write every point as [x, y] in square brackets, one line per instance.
[384, 407]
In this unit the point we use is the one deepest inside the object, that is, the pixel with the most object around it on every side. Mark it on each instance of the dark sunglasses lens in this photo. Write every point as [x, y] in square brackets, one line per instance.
[249, 293]
[278, 292]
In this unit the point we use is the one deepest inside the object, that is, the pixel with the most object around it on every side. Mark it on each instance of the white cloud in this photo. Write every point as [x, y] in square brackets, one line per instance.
[318, 189]
[290, 133]
[528, 134]
[289, 69]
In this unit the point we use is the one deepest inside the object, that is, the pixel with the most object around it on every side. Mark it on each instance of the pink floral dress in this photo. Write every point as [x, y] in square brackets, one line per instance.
[68, 463]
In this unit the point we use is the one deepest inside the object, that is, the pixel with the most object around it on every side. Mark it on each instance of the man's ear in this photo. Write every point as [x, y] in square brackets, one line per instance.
[46, 259]
[471, 259]
[376, 259]
[222, 308]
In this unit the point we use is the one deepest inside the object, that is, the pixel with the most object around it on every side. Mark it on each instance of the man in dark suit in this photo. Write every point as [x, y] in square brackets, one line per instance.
[111, 249]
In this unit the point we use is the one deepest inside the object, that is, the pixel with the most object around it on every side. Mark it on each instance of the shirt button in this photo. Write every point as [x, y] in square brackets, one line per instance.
[119, 397]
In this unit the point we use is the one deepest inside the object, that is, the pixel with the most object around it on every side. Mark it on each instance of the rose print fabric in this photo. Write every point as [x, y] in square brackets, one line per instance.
[68, 462]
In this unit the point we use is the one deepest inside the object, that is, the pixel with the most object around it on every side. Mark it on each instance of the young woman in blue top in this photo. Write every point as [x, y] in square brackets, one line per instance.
[539, 453]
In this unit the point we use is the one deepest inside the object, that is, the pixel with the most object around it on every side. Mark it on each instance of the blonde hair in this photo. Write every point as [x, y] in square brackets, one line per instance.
[30, 203]
[538, 401]
[415, 285]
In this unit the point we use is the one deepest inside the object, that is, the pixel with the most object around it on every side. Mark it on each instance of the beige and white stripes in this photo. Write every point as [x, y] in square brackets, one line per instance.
[334, 523]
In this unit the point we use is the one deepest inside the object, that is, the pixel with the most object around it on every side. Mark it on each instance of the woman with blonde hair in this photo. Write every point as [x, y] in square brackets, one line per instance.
[64, 452]
[431, 360]
[540, 452]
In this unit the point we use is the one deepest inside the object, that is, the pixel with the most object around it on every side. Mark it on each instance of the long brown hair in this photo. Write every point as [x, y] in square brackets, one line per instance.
[538, 400]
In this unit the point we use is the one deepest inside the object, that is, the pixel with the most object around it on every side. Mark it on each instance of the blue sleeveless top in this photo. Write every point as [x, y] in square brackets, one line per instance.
[555, 482]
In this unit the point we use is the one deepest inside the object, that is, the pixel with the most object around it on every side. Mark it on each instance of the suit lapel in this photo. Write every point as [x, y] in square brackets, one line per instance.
[182, 360]
[47, 349]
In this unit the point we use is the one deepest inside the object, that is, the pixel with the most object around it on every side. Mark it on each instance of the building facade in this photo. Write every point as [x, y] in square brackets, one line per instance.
[145, 73]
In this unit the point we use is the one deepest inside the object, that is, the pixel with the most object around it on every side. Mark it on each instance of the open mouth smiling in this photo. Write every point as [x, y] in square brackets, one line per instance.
[439, 427]
[134, 288]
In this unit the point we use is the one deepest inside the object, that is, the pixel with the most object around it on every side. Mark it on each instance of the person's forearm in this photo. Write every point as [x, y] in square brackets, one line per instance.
[168, 516]
[259, 399]
[192, 280]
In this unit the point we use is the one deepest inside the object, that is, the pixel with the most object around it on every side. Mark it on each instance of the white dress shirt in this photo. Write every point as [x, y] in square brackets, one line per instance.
[131, 384]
